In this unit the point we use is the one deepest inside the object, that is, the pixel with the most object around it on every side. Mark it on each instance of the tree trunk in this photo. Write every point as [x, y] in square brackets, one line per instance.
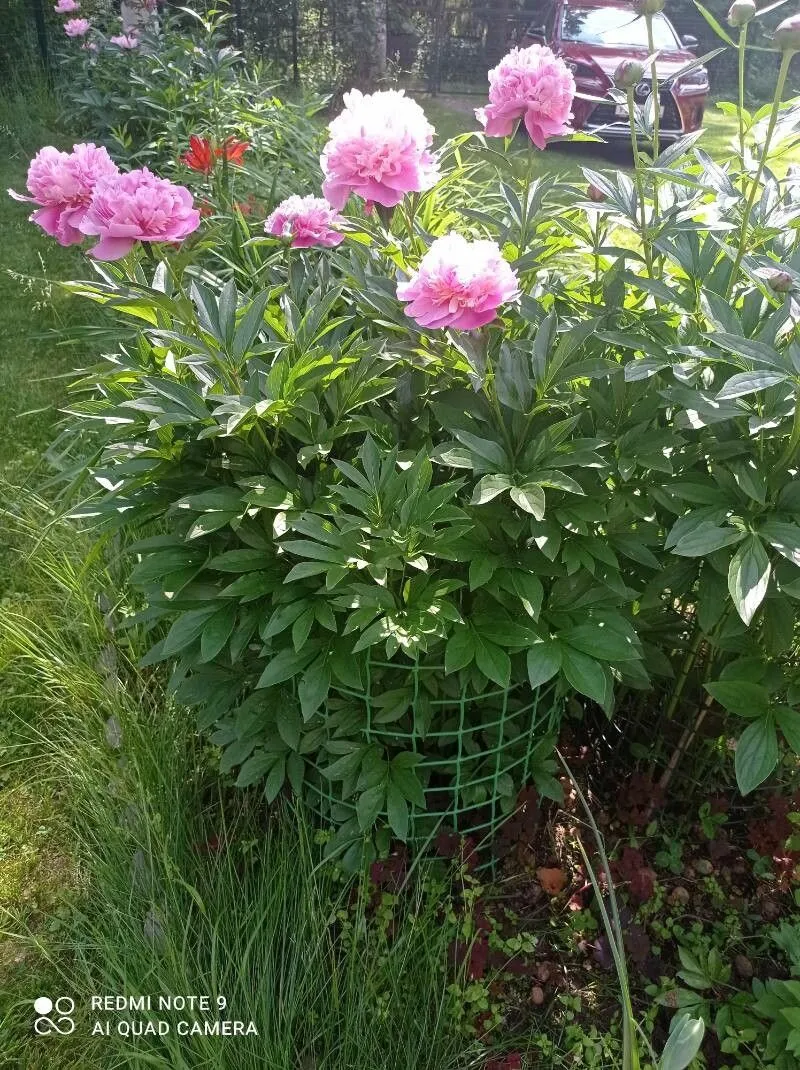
[378, 34]
[139, 16]
[41, 32]
[362, 36]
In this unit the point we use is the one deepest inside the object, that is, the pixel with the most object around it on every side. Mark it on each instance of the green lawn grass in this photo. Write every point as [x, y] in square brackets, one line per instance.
[35, 313]
[39, 872]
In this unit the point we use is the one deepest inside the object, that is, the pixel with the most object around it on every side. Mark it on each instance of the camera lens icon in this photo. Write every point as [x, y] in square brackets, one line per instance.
[61, 1022]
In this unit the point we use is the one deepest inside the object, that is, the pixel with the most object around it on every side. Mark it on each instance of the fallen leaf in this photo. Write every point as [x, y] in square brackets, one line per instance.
[642, 885]
[512, 1061]
[637, 943]
[641, 878]
[553, 881]
[601, 953]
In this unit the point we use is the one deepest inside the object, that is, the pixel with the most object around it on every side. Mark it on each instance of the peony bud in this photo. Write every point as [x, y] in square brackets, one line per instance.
[787, 35]
[595, 194]
[740, 13]
[780, 281]
[649, 7]
[628, 74]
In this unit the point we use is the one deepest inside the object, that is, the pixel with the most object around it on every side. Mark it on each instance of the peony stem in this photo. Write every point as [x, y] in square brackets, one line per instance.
[788, 454]
[786, 59]
[598, 237]
[490, 394]
[742, 47]
[526, 194]
[637, 165]
[410, 211]
[683, 675]
[655, 96]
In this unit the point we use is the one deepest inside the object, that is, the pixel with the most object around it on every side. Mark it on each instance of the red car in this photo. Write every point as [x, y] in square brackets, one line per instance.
[592, 36]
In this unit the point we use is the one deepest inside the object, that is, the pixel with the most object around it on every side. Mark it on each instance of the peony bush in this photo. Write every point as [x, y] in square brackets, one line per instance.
[409, 484]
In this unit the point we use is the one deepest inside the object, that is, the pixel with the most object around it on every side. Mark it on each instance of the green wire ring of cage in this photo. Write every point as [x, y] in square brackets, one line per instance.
[471, 768]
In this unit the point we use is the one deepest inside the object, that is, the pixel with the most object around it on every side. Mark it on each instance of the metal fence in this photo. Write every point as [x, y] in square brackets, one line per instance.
[25, 37]
[431, 45]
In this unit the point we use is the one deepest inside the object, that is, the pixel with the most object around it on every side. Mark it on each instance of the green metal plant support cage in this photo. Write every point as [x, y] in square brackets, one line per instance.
[477, 750]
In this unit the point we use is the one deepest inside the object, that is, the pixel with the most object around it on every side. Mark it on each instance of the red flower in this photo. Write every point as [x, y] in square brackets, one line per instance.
[233, 150]
[200, 156]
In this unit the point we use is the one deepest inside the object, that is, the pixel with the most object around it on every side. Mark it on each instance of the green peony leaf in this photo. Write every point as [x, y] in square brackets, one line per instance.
[397, 812]
[756, 754]
[748, 577]
[488, 487]
[585, 674]
[493, 661]
[740, 696]
[369, 804]
[683, 1044]
[530, 498]
[789, 723]
[544, 661]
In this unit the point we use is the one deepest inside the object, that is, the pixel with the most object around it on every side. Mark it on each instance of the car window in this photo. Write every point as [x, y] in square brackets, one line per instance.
[615, 26]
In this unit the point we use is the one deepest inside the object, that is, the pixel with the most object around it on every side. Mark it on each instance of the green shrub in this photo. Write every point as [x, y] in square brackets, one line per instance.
[366, 547]
[145, 103]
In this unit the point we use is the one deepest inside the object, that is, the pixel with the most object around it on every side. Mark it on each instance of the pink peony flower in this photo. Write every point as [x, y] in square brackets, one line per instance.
[66, 7]
[378, 149]
[125, 40]
[459, 284]
[787, 34]
[138, 206]
[76, 27]
[63, 184]
[307, 221]
[533, 84]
